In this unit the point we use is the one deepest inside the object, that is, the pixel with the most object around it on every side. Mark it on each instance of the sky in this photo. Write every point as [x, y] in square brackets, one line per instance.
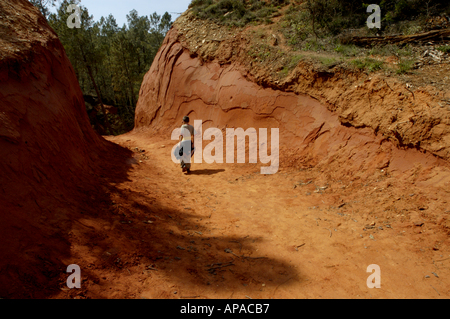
[120, 8]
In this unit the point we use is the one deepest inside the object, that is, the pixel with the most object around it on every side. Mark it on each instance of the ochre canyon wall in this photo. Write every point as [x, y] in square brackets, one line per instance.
[221, 95]
[48, 152]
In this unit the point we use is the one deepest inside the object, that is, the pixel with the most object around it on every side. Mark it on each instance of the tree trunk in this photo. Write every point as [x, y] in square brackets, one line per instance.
[130, 84]
[313, 15]
[91, 76]
[435, 35]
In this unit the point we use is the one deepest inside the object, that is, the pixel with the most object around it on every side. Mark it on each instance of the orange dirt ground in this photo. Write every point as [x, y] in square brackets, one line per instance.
[226, 231]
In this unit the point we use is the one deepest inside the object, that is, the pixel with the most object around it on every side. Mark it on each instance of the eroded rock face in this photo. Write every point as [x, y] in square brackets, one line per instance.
[45, 132]
[47, 147]
[42, 111]
[179, 84]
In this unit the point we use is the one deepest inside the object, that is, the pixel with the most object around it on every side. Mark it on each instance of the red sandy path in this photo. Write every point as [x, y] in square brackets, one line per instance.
[196, 220]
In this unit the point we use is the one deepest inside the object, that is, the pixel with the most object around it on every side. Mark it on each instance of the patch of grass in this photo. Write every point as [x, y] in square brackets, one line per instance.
[412, 30]
[326, 61]
[312, 44]
[374, 65]
[236, 12]
[284, 72]
[295, 26]
[259, 33]
[290, 65]
[359, 63]
[264, 55]
[295, 60]
[406, 27]
[391, 49]
[368, 64]
[404, 66]
[262, 52]
[347, 50]
[379, 50]
[403, 51]
[444, 48]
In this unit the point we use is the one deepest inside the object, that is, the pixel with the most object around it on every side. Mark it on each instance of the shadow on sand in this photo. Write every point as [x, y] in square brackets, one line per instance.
[206, 171]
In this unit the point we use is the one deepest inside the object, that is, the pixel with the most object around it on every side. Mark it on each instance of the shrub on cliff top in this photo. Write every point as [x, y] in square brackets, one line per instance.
[330, 20]
[235, 12]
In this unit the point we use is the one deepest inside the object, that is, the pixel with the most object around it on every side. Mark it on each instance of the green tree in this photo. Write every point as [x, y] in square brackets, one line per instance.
[111, 61]
[44, 6]
[80, 45]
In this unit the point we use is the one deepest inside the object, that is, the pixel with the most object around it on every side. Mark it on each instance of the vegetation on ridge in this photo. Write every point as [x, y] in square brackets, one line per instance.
[319, 30]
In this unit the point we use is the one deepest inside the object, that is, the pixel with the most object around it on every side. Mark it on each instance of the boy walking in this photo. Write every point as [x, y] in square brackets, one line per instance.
[186, 144]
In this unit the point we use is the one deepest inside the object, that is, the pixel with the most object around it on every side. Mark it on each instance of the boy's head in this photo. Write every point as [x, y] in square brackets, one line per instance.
[186, 119]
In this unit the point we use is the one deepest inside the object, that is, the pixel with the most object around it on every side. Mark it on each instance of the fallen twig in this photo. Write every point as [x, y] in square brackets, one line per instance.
[402, 39]
[388, 84]
[221, 266]
[411, 92]
[253, 257]
[280, 285]
[228, 250]
[328, 230]
[436, 290]
[240, 245]
[214, 264]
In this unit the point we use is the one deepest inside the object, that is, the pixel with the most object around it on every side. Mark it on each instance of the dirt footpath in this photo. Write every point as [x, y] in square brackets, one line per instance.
[226, 231]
